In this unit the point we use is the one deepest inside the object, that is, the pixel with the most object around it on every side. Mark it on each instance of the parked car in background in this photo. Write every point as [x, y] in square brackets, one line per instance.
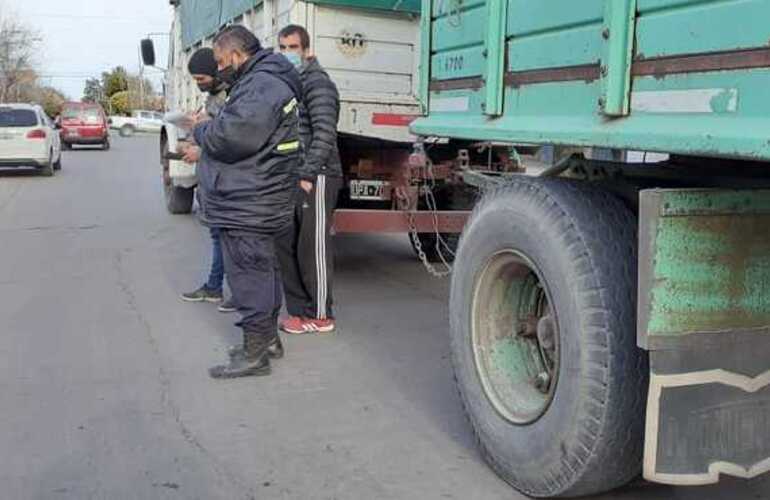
[139, 121]
[28, 138]
[84, 123]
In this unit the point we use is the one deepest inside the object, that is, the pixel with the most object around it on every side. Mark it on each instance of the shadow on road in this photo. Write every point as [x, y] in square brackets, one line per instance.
[19, 172]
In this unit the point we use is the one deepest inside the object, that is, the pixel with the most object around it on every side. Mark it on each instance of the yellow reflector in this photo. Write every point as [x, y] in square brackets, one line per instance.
[288, 146]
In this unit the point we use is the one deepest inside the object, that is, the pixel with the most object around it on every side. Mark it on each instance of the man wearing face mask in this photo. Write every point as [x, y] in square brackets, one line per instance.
[248, 178]
[306, 252]
[203, 68]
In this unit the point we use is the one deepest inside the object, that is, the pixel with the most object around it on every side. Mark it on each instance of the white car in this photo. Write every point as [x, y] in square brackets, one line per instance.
[28, 138]
[139, 121]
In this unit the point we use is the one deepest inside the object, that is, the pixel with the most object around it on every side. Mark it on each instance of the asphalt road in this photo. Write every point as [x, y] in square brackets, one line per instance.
[103, 384]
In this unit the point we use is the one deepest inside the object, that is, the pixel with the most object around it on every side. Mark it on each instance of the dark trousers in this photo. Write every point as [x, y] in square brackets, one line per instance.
[253, 274]
[306, 252]
[217, 273]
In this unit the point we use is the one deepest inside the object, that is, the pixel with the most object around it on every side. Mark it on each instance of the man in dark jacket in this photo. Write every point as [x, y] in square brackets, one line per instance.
[306, 252]
[203, 68]
[248, 179]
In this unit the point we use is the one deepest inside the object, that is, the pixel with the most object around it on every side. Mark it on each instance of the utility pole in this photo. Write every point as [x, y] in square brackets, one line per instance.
[141, 81]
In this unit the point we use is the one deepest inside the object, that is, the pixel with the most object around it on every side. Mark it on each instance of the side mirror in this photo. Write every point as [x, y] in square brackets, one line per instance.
[148, 52]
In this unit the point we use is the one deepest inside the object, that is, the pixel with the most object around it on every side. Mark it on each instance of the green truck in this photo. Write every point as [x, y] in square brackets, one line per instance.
[610, 313]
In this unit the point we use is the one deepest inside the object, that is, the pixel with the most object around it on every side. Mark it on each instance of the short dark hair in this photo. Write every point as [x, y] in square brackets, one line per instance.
[238, 38]
[295, 29]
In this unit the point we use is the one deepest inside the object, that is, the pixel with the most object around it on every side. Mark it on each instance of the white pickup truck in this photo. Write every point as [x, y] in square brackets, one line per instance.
[139, 121]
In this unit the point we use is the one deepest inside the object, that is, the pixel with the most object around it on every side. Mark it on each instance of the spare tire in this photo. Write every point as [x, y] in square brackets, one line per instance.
[543, 337]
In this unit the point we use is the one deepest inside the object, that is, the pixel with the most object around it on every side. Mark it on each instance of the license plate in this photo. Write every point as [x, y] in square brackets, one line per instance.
[369, 190]
[73, 133]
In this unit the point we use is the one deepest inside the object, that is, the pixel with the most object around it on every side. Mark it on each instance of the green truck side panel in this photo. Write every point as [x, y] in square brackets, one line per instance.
[425, 57]
[392, 5]
[702, 26]
[618, 47]
[570, 47]
[704, 264]
[494, 53]
[709, 113]
[531, 18]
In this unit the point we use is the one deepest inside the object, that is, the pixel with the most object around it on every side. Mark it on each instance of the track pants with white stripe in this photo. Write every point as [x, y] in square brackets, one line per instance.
[306, 252]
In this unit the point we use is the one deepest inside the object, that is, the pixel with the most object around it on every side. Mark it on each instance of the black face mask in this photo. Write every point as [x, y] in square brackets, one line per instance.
[206, 87]
[228, 76]
[213, 87]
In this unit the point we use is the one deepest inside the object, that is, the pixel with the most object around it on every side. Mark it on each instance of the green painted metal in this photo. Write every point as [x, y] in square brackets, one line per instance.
[495, 56]
[572, 47]
[412, 6]
[716, 114]
[704, 264]
[669, 27]
[425, 57]
[618, 35]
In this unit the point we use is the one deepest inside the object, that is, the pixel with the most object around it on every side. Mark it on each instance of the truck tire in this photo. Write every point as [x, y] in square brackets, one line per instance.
[543, 337]
[179, 200]
[127, 130]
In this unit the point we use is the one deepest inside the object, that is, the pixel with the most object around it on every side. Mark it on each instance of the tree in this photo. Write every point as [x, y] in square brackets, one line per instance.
[114, 81]
[93, 91]
[51, 100]
[120, 103]
[18, 45]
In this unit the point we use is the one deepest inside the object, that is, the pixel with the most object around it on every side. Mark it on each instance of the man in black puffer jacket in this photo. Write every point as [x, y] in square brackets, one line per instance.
[306, 251]
[248, 179]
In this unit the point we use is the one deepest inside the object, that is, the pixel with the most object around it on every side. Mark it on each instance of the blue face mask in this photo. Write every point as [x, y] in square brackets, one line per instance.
[294, 58]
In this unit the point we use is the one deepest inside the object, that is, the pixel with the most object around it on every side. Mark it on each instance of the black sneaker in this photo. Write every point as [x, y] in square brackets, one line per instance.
[227, 306]
[202, 294]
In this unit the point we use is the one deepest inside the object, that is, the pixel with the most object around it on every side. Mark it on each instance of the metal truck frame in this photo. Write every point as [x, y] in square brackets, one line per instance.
[609, 314]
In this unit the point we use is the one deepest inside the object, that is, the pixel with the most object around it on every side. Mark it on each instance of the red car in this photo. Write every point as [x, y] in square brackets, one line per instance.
[83, 123]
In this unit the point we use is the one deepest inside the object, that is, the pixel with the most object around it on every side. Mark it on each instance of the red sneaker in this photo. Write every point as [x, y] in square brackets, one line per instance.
[299, 326]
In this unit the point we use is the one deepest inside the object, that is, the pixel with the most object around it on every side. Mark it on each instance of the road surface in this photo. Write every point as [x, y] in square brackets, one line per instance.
[103, 370]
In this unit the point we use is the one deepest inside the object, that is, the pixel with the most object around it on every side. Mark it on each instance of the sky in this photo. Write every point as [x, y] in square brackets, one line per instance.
[82, 38]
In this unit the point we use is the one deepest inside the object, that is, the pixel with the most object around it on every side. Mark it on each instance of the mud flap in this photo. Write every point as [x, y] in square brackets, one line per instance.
[704, 316]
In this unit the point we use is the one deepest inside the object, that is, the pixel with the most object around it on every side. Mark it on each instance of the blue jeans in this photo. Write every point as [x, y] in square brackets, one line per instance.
[217, 273]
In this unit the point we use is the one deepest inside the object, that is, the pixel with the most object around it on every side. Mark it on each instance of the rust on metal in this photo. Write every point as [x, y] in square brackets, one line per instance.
[702, 63]
[585, 72]
[397, 221]
[470, 83]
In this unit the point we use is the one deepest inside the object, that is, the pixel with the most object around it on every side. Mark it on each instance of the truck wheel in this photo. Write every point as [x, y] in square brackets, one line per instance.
[127, 131]
[179, 200]
[543, 337]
